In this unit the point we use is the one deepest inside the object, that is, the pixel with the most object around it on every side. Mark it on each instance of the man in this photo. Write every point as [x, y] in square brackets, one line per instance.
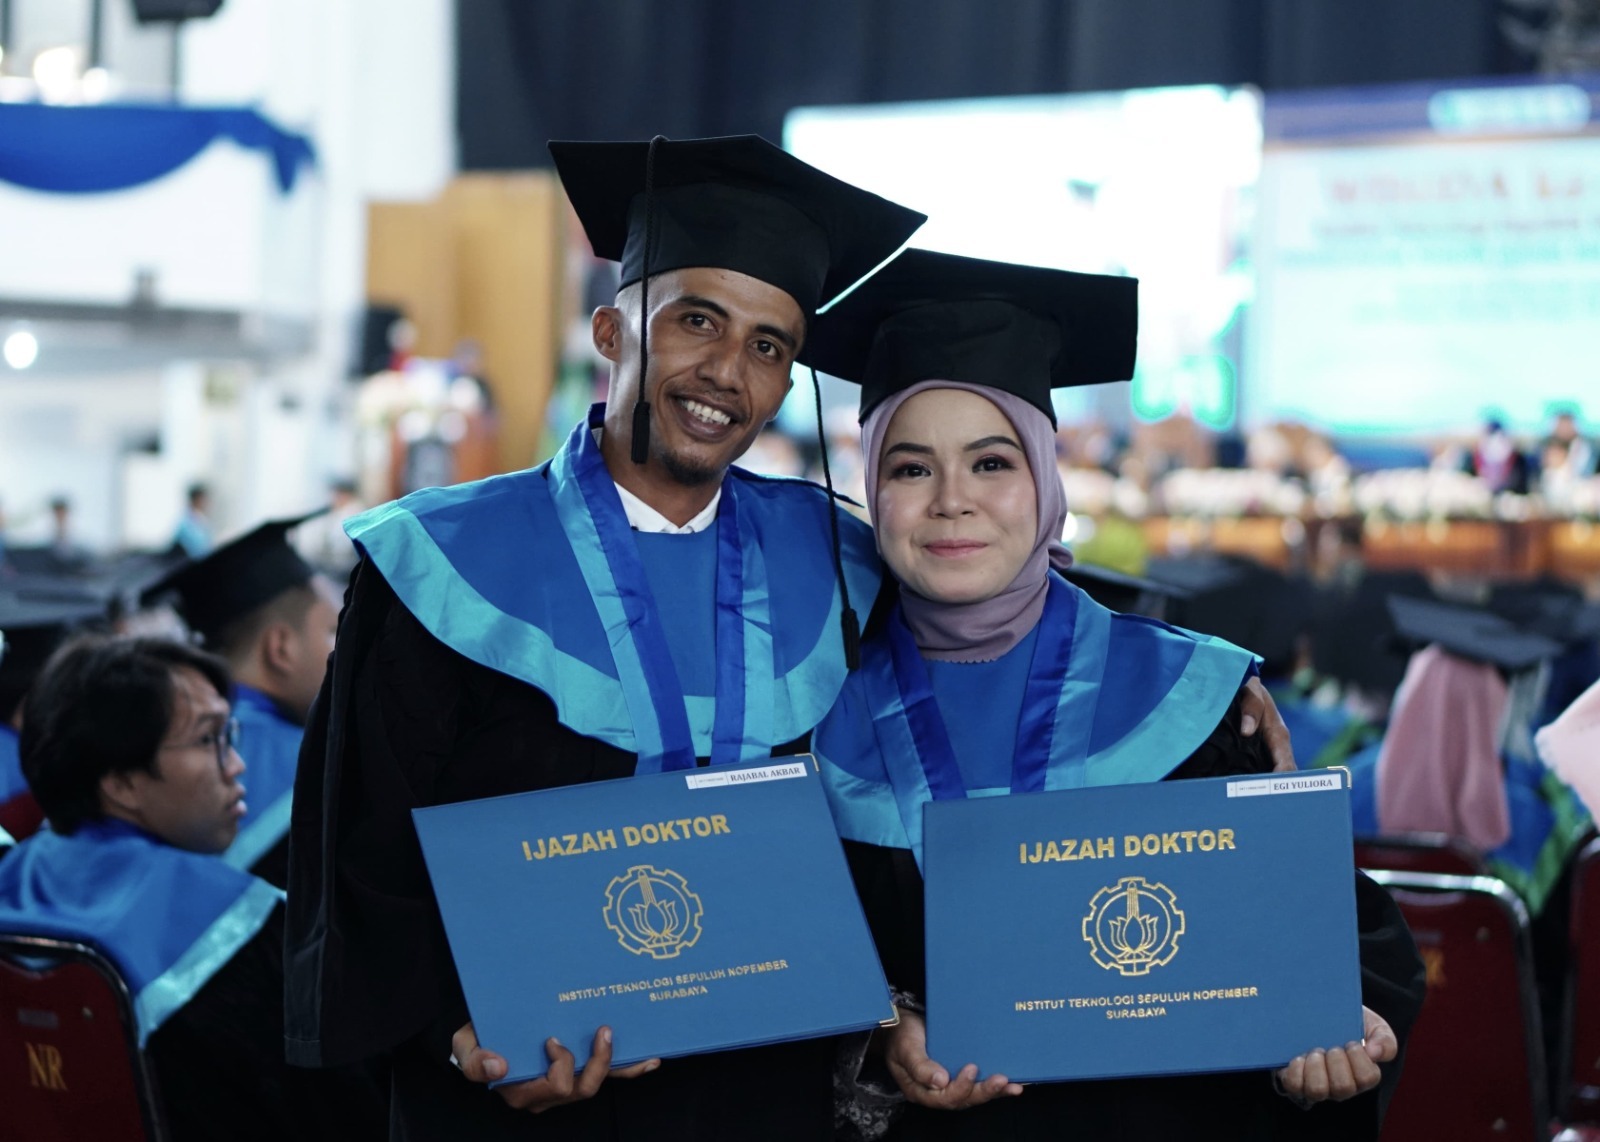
[195, 536]
[128, 747]
[263, 609]
[632, 606]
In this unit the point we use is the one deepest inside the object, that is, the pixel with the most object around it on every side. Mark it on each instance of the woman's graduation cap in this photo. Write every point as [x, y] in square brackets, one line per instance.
[237, 578]
[1021, 329]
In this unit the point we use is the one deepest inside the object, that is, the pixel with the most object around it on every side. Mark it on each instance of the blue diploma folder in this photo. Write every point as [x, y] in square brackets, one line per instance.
[689, 911]
[1164, 928]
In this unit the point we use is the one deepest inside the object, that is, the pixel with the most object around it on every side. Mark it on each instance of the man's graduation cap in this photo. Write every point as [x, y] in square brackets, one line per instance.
[736, 203]
[237, 578]
[1021, 329]
[32, 625]
[1469, 632]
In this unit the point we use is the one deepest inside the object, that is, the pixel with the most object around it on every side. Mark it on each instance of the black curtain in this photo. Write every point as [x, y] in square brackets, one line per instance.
[532, 70]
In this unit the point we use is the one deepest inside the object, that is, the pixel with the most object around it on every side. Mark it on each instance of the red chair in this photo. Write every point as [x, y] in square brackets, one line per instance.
[21, 816]
[70, 1065]
[1474, 1065]
[1420, 852]
[1581, 1034]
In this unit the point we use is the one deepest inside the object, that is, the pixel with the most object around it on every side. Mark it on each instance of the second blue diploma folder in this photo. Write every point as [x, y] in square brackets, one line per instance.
[690, 911]
[1122, 930]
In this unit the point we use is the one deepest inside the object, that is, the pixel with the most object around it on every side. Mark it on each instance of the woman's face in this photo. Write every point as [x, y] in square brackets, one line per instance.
[957, 514]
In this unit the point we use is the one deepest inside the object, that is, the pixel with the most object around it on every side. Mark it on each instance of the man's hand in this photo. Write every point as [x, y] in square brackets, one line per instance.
[925, 1082]
[1342, 1072]
[1257, 709]
[559, 1085]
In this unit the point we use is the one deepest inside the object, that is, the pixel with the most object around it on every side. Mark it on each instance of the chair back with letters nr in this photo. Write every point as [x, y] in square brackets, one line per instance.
[1581, 1035]
[1474, 1062]
[1420, 852]
[70, 1066]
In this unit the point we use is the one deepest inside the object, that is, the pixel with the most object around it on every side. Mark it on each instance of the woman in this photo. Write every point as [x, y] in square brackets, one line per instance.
[956, 359]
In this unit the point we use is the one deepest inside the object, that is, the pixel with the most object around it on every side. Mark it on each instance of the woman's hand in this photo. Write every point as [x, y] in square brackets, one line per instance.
[558, 1085]
[925, 1082]
[1342, 1072]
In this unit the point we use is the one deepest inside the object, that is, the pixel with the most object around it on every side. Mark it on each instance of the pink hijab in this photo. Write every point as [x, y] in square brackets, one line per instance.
[1439, 768]
[985, 630]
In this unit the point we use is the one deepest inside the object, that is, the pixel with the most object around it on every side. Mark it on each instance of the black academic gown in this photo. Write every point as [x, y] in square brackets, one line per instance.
[1237, 1107]
[219, 1068]
[404, 721]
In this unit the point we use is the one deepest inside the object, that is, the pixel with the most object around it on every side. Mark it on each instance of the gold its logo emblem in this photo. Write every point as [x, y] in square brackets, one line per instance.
[652, 912]
[1133, 926]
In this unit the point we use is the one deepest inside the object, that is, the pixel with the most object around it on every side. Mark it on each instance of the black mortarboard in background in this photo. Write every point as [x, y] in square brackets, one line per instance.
[1352, 635]
[1242, 601]
[1021, 329]
[237, 578]
[1548, 607]
[1130, 594]
[736, 203]
[34, 625]
[1469, 632]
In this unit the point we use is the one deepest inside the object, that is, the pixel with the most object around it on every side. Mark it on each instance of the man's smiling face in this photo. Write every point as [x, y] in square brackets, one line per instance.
[721, 347]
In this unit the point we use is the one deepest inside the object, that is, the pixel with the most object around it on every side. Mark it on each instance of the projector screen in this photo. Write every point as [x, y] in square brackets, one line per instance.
[1156, 184]
[1428, 255]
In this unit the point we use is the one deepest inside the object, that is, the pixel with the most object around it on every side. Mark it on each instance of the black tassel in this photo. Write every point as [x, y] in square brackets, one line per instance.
[641, 431]
[639, 451]
[849, 625]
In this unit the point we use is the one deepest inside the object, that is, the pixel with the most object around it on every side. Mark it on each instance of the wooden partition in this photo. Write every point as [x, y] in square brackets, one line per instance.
[484, 260]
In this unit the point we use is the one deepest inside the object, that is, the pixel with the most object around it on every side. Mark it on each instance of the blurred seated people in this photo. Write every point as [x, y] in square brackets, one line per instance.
[1495, 459]
[128, 746]
[1579, 457]
[967, 504]
[66, 553]
[30, 630]
[195, 536]
[266, 611]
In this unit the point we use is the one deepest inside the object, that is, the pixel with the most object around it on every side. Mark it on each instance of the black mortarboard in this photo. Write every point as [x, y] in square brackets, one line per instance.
[736, 203]
[1022, 329]
[1352, 635]
[1469, 632]
[1245, 602]
[33, 625]
[1548, 607]
[237, 578]
[1130, 594]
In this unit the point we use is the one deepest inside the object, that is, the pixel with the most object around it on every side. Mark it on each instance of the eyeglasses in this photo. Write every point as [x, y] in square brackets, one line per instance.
[222, 743]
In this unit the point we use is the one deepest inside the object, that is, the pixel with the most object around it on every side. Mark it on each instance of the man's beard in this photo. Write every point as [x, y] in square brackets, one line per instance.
[686, 472]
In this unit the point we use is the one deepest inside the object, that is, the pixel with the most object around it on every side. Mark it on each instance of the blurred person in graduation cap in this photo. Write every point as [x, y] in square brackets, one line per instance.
[32, 625]
[1458, 757]
[264, 610]
[475, 654]
[129, 747]
[990, 645]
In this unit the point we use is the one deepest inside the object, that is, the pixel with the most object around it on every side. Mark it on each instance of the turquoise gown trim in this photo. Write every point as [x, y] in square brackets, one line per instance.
[169, 919]
[868, 753]
[270, 746]
[491, 569]
[11, 780]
